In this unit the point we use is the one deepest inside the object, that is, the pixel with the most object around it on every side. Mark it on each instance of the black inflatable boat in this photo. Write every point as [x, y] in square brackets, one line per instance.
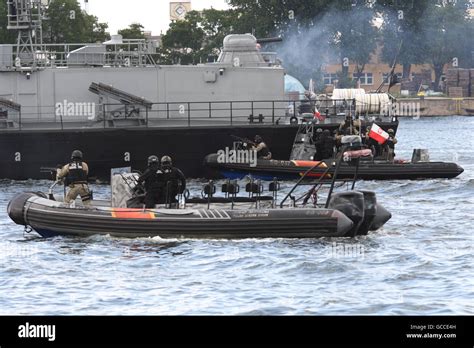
[51, 218]
[368, 169]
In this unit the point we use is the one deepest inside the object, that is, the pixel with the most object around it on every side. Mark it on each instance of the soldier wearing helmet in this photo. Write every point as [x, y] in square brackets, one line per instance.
[349, 126]
[152, 181]
[261, 148]
[389, 146]
[75, 174]
[324, 146]
[174, 180]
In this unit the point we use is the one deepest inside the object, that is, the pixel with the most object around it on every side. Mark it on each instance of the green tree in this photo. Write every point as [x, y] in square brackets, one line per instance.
[264, 18]
[6, 36]
[352, 33]
[449, 37]
[184, 40]
[96, 31]
[66, 22]
[216, 25]
[134, 31]
[401, 24]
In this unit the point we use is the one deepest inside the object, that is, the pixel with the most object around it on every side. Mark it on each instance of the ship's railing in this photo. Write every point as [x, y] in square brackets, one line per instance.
[130, 53]
[173, 114]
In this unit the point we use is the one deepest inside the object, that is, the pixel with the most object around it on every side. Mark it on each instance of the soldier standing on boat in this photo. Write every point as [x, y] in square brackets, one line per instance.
[152, 180]
[174, 180]
[75, 175]
[349, 126]
[261, 148]
[389, 146]
[325, 146]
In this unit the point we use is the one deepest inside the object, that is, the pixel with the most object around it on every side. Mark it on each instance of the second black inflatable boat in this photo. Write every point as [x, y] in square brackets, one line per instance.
[368, 170]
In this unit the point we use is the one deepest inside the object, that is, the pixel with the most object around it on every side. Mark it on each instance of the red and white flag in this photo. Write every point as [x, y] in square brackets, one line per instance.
[318, 115]
[378, 134]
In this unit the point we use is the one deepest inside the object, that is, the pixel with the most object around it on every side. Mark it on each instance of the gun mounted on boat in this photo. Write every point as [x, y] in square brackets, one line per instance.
[269, 40]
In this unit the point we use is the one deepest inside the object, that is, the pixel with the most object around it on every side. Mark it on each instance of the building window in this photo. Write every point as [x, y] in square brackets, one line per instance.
[329, 79]
[365, 78]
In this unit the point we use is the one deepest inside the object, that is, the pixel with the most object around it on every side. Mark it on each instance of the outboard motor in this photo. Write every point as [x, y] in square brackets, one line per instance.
[381, 217]
[420, 155]
[370, 211]
[351, 203]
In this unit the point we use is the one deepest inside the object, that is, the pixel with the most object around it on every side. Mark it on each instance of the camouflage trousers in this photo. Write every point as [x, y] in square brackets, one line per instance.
[79, 190]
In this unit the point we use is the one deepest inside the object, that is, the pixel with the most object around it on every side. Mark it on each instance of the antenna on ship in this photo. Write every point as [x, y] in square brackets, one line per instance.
[25, 16]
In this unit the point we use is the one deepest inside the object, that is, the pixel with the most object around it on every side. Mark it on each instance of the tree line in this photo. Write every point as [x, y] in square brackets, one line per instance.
[314, 32]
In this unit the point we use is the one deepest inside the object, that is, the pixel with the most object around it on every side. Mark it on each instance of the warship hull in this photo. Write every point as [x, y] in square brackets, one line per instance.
[24, 153]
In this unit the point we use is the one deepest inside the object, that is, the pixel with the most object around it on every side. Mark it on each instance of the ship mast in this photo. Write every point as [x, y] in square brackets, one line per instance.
[25, 16]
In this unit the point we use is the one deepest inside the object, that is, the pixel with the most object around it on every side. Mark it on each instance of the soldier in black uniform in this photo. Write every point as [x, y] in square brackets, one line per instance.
[152, 180]
[173, 179]
[262, 149]
[325, 146]
[389, 146]
[75, 175]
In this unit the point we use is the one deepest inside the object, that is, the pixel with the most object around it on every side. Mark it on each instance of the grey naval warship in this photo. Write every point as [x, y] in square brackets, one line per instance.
[116, 104]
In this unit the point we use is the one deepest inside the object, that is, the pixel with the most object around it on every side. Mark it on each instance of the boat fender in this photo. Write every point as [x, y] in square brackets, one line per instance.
[16, 207]
[253, 187]
[208, 190]
[351, 204]
[274, 186]
[231, 187]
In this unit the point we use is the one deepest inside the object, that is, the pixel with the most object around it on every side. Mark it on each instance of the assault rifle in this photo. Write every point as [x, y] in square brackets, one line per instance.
[51, 170]
[244, 140]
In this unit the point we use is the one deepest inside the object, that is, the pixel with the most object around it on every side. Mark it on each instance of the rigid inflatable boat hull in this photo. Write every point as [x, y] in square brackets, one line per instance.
[51, 218]
[288, 170]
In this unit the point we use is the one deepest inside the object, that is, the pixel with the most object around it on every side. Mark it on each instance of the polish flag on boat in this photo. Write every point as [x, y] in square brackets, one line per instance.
[378, 134]
[318, 115]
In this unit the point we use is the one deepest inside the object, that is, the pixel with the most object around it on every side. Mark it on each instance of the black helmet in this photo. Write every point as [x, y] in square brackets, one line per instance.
[153, 159]
[319, 130]
[76, 155]
[391, 131]
[258, 139]
[166, 161]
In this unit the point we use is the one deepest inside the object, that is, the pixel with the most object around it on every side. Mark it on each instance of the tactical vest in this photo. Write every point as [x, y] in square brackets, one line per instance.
[77, 174]
[154, 179]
